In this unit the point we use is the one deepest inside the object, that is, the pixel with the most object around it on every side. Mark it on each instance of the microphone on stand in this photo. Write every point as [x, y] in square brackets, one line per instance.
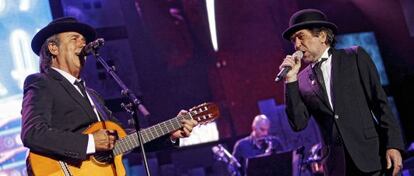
[91, 47]
[225, 155]
[282, 74]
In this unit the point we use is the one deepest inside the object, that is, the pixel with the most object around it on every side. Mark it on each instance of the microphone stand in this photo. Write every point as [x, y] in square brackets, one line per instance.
[133, 107]
[301, 152]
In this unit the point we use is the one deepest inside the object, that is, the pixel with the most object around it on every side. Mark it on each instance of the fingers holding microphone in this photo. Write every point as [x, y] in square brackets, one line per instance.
[290, 67]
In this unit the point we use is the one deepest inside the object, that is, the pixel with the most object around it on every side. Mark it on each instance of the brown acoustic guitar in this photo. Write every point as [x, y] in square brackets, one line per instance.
[110, 163]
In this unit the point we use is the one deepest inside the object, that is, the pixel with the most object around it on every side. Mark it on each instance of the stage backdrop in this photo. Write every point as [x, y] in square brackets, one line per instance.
[19, 21]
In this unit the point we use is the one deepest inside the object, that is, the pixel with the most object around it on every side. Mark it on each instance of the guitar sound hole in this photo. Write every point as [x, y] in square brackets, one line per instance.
[104, 157]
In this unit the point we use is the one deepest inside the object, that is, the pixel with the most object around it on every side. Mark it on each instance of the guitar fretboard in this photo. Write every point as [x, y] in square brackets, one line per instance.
[148, 134]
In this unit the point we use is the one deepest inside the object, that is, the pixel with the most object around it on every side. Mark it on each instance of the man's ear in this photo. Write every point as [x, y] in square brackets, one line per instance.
[322, 36]
[53, 49]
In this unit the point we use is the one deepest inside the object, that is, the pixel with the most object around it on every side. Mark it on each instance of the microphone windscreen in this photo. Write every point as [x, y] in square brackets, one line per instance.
[298, 54]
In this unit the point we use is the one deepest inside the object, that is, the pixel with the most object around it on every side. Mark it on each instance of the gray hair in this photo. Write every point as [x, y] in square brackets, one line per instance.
[259, 119]
[45, 55]
[330, 36]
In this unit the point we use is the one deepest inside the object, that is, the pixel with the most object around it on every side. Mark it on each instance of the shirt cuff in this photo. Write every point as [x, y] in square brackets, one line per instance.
[91, 145]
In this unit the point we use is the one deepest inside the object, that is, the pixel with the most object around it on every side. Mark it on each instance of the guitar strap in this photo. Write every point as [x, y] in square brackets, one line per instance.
[65, 169]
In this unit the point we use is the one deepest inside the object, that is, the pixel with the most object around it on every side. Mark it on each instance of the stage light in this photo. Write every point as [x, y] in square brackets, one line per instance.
[24, 5]
[3, 6]
[22, 56]
[211, 13]
[3, 90]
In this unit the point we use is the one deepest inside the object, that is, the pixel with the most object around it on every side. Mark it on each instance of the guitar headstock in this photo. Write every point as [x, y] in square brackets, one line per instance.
[204, 113]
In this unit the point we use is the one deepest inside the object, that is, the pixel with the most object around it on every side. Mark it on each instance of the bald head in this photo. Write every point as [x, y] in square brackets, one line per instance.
[260, 120]
[260, 126]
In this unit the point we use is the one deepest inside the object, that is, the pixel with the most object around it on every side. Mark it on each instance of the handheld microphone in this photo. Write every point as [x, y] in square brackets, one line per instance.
[91, 47]
[286, 69]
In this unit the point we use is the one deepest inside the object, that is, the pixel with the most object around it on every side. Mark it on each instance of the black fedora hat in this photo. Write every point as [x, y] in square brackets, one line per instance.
[307, 18]
[59, 25]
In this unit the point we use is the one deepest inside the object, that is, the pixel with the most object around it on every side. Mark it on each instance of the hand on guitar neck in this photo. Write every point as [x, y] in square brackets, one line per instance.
[185, 131]
[104, 139]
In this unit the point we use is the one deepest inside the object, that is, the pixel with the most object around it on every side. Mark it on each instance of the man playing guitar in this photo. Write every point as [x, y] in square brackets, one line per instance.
[65, 123]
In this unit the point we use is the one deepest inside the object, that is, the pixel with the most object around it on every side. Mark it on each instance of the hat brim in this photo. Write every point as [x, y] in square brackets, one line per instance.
[309, 24]
[87, 31]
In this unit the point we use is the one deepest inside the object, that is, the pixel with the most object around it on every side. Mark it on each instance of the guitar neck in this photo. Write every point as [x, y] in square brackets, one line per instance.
[148, 134]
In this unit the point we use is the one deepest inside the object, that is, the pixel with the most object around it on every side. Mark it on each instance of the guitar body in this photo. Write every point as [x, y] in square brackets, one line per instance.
[42, 165]
[45, 166]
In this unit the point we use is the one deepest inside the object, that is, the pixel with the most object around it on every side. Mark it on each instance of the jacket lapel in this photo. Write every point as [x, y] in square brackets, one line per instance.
[313, 82]
[71, 90]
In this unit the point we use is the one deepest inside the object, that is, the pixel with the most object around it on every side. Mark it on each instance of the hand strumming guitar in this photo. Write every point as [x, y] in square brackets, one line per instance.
[104, 139]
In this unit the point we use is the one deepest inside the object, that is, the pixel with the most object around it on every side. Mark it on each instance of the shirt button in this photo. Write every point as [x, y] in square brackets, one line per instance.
[336, 116]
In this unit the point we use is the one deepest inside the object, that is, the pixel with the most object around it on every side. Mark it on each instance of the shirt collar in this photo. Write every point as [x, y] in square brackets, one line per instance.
[325, 54]
[68, 76]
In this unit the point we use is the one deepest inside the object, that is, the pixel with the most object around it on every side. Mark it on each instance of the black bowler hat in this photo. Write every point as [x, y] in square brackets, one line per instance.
[307, 18]
[59, 25]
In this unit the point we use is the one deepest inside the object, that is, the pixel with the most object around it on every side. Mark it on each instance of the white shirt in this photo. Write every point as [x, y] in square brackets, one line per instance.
[91, 143]
[326, 68]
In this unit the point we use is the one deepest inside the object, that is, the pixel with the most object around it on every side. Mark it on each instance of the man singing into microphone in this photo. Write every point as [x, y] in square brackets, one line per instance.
[342, 91]
[57, 107]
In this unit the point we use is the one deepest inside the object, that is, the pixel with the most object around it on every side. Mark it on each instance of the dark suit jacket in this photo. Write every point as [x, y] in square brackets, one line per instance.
[358, 100]
[54, 115]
